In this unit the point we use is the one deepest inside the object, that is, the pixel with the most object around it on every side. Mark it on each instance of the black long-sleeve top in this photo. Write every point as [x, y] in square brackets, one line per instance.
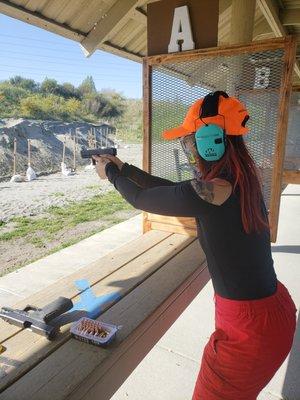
[240, 264]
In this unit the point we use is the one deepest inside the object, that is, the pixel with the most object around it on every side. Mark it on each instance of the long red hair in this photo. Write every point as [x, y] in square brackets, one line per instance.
[238, 164]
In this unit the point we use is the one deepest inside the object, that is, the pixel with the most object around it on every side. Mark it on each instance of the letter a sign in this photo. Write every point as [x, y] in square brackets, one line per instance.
[182, 36]
[180, 25]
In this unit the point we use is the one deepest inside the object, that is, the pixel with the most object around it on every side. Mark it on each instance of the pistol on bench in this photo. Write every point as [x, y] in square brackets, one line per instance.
[38, 319]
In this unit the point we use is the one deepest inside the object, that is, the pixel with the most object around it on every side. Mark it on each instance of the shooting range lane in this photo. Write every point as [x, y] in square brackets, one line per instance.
[128, 269]
[77, 369]
[20, 343]
[93, 272]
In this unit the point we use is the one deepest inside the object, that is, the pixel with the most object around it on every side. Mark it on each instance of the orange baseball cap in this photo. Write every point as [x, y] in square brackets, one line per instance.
[232, 116]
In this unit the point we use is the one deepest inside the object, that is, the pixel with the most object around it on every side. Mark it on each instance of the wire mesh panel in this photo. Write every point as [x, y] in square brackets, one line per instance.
[258, 76]
[292, 152]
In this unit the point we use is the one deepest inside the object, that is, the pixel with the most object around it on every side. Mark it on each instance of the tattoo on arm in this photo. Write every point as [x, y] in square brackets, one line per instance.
[205, 190]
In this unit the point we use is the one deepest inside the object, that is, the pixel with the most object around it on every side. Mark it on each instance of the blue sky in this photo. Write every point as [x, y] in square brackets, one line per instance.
[35, 53]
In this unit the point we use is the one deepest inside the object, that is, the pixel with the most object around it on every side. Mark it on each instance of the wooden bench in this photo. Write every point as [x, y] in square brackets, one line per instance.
[157, 275]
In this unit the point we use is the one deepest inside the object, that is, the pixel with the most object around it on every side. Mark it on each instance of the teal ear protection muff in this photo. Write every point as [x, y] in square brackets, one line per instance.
[211, 138]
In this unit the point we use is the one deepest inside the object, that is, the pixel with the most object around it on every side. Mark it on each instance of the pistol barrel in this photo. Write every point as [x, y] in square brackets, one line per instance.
[88, 153]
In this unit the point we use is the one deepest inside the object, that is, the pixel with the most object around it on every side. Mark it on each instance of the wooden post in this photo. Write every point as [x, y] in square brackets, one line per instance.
[241, 29]
[29, 152]
[147, 88]
[64, 150]
[15, 156]
[242, 21]
[279, 151]
[74, 151]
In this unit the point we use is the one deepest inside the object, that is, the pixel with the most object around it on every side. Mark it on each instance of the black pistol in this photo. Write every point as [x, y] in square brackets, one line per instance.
[39, 320]
[88, 153]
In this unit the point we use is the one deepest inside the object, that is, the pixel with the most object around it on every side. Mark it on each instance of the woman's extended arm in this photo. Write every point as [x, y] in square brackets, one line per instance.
[142, 178]
[179, 200]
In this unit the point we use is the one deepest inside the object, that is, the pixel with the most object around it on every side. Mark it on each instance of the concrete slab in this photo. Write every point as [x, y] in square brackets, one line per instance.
[186, 338]
[173, 376]
[44, 272]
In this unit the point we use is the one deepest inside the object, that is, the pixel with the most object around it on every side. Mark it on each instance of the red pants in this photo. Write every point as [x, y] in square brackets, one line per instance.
[251, 341]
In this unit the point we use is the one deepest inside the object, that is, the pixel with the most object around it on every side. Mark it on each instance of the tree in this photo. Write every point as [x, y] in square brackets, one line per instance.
[87, 86]
[51, 100]
[68, 90]
[24, 83]
[50, 86]
[114, 104]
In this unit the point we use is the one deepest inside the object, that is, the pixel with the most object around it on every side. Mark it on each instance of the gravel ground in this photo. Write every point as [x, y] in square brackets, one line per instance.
[32, 198]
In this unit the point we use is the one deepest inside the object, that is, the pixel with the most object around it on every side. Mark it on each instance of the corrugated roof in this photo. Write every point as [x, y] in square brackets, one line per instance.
[120, 26]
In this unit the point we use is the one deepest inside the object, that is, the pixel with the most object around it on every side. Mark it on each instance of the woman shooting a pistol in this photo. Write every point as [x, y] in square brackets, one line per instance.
[255, 316]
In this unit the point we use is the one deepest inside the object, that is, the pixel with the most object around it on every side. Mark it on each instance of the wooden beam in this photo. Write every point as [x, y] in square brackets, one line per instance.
[139, 16]
[279, 151]
[224, 5]
[271, 12]
[275, 43]
[120, 51]
[290, 17]
[39, 20]
[242, 21]
[261, 27]
[108, 25]
[291, 176]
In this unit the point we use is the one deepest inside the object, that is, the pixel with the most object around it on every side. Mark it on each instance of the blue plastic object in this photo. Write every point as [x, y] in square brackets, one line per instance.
[89, 302]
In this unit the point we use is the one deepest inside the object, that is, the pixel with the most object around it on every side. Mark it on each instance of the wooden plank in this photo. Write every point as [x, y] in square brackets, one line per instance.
[118, 51]
[108, 24]
[291, 176]
[188, 222]
[285, 92]
[139, 16]
[76, 369]
[261, 27]
[290, 17]
[137, 45]
[25, 350]
[242, 21]
[270, 44]
[224, 5]
[174, 228]
[132, 33]
[87, 12]
[147, 88]
[39, 20]
[132, 351]
[270, 11]
[93, 272]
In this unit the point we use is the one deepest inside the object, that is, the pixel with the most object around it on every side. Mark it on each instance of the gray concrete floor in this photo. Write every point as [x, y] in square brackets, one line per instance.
[170, 369]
